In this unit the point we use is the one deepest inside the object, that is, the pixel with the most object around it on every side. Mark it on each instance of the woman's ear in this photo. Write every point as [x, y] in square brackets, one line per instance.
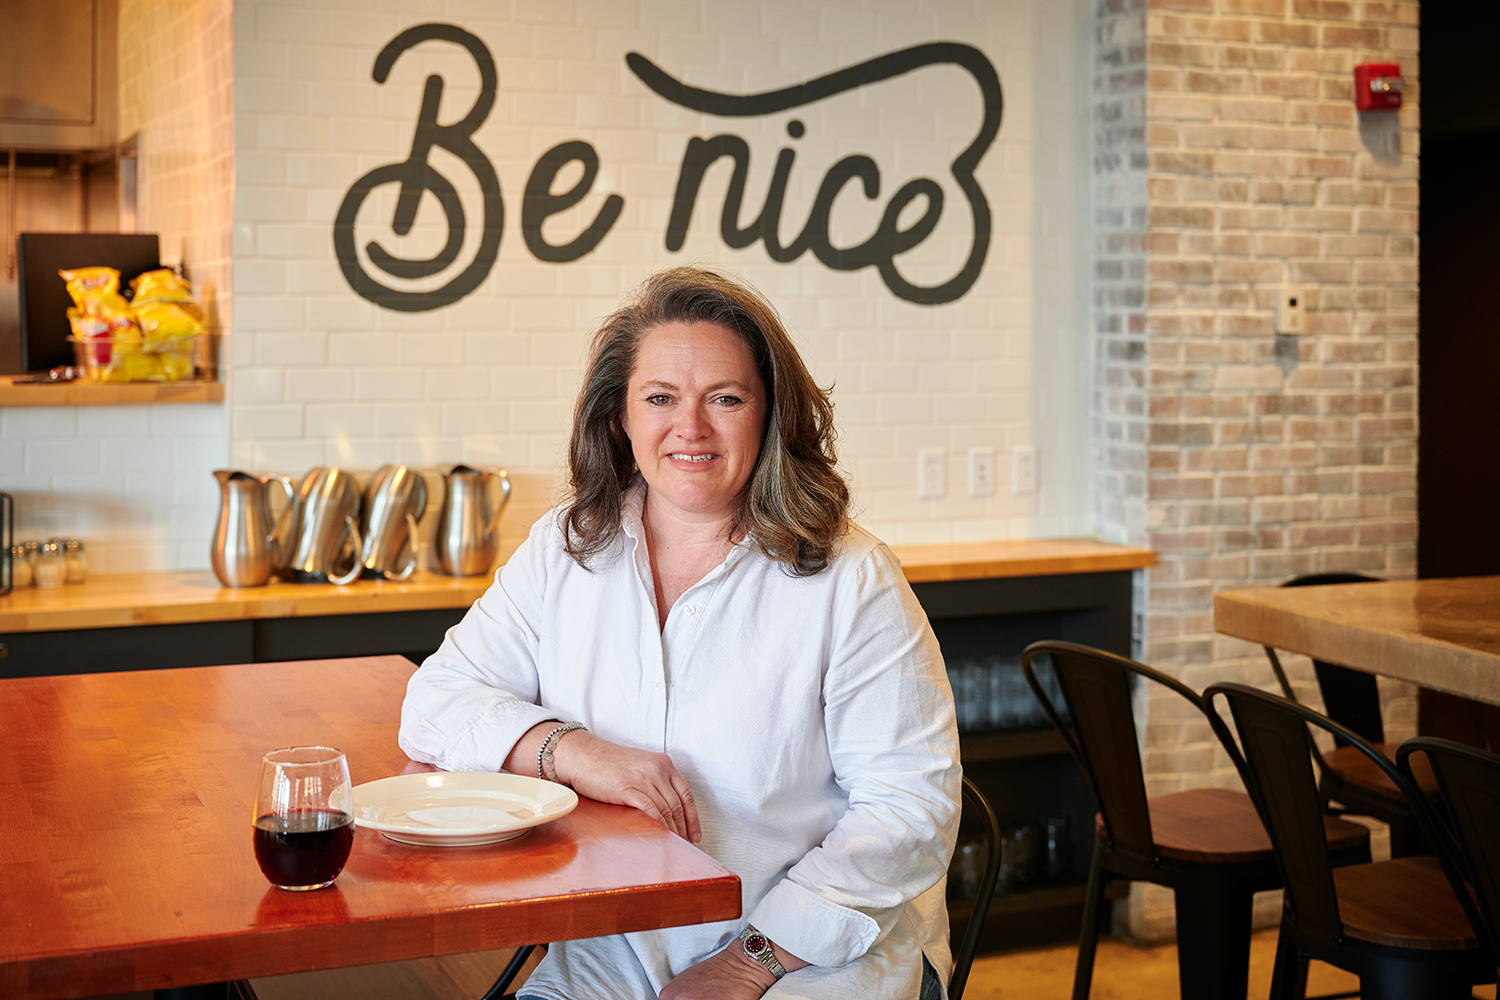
[625, 424]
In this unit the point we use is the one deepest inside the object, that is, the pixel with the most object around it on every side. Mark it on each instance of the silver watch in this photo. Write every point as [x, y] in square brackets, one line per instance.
[758, 949]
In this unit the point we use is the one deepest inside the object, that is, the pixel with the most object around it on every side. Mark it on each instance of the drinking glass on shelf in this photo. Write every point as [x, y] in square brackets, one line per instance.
[304, 817]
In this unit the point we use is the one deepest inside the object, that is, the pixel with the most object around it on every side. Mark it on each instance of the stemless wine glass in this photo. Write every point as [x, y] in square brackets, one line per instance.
[304, 817]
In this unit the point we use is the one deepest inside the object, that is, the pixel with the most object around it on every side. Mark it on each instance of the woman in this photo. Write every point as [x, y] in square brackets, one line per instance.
[700, 633]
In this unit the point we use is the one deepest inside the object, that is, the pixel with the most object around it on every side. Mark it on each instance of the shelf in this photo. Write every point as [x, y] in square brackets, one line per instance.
[1017, 558]
[1030, 917]
[1010, 744]
[108, 394]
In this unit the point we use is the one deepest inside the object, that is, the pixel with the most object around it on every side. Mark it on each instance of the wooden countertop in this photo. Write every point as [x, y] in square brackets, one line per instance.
[1038, 557]
[1441, 633]
[84, 393]
[172, 598]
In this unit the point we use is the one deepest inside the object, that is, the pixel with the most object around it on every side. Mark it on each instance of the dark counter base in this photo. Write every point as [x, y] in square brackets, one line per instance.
[413, 634]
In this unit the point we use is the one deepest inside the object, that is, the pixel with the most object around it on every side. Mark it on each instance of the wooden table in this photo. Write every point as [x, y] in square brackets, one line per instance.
[1441, 634]
[125, 849]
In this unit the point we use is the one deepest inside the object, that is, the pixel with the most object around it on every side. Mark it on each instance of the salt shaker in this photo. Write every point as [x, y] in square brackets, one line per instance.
[51, 567]
[76, 562]
[20, 567]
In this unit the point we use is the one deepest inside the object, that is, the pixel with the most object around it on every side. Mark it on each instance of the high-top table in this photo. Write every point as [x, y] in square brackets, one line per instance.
[125, 840]
[1442, 634]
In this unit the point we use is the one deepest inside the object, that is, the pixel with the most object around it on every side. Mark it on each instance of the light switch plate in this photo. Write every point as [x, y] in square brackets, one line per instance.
[1023, 470]
[932, 473]
[1290, 312]
[981, 472]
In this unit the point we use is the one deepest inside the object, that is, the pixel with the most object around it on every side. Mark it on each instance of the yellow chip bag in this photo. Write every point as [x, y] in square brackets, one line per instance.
[116, 312]
[86, 283]
[167, 320]
[160, 286]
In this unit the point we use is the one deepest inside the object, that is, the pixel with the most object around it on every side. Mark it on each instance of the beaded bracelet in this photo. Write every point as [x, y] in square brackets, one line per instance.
[544, 768]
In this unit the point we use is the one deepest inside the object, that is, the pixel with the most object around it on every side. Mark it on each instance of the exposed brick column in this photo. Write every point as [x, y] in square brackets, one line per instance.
[1261, 174]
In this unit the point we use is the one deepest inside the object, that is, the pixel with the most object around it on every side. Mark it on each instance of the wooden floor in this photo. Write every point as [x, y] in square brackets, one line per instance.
[1122, 971]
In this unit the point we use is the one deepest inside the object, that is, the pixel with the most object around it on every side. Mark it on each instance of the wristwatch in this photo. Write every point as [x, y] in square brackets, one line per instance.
[544, 768]
[758, 949]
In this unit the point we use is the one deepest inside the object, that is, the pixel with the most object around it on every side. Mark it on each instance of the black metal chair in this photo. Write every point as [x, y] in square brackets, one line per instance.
[1469, 780]
[1205, 844]
[1352, 699]
[1398, 925]
[977, 806]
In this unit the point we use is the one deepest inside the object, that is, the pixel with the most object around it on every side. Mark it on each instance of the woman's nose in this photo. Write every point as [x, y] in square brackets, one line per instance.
[692, 423]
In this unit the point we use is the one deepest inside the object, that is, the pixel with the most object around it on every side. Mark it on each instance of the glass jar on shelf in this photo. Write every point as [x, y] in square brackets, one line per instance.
[75, 560]
[51, 568]
[20, 566]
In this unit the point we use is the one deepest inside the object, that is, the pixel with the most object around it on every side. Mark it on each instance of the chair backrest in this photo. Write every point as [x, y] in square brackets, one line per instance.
[1469, 780]
[1350, 697]
[979, 807]
[1274, 755]
[1100, 731]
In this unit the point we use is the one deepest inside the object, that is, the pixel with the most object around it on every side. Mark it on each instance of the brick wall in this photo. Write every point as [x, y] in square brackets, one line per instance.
[1259, 173]
[133, 481]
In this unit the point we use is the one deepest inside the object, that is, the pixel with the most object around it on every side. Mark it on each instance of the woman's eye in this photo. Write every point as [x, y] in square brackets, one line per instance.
[730, 401]
[657, 399]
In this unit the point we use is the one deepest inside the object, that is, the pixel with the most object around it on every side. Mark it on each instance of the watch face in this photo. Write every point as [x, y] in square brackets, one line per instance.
[755, 943]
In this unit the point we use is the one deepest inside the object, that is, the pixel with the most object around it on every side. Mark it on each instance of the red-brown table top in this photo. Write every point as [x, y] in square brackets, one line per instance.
[125, 850]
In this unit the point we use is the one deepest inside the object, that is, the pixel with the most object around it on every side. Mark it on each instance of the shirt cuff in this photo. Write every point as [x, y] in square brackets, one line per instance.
[812, 928]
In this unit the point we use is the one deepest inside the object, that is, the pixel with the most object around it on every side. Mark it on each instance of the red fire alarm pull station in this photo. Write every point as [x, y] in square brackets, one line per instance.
[1377, 87]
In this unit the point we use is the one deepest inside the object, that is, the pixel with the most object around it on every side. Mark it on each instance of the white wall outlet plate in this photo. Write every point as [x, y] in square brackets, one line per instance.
[1290, 311]
[981, 472]
[932, 473]
[1023, 470]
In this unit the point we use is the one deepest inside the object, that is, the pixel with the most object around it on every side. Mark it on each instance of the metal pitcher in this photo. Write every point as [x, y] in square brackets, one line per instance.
[247, 545]
[325, 532]
[468, 534]
[395, 499]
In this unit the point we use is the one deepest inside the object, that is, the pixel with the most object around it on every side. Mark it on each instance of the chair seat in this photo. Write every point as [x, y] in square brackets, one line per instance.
[1221, 826]
[1352, 767]
[1402, 903]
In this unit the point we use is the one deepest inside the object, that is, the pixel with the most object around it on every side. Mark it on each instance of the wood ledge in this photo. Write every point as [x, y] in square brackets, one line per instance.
[81, 393]
[122, 599]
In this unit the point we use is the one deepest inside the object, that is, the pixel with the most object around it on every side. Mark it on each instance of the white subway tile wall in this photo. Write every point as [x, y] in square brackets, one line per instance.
[320, 375]
[133, 481]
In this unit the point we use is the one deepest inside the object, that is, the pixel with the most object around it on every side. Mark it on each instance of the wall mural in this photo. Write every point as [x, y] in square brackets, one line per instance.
[416, 175]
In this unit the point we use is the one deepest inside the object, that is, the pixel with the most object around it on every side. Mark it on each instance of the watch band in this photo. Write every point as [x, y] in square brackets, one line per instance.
[544, 768]
[758, 949]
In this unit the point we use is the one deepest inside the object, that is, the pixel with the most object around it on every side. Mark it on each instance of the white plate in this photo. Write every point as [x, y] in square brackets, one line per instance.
[459, 808]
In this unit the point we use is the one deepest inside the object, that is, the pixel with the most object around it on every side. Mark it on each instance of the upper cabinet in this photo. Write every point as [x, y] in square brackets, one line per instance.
[57, 75]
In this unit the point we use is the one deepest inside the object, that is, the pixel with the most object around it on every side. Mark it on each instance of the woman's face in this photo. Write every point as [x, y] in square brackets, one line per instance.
[695, 413]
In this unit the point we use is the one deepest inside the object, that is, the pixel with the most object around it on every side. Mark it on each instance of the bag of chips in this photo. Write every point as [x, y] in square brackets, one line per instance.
[86, 283]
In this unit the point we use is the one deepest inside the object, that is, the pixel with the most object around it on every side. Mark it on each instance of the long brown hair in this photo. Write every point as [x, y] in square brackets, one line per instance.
[795, 506]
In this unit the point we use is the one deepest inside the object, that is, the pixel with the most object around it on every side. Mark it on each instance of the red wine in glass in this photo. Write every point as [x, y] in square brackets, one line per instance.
[303, 818]
[305, 849]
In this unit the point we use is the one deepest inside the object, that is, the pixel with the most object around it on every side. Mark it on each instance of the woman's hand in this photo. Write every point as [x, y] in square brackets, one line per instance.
[628, 777]
[722, 976]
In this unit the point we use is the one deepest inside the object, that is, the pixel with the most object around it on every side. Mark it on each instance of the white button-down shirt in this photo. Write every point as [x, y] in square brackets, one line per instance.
[811, 716]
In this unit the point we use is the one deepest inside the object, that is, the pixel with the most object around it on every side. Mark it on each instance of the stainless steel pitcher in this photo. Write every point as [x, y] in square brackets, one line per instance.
[468, 534]
[395, 499]
[247, 545]
[325, 533]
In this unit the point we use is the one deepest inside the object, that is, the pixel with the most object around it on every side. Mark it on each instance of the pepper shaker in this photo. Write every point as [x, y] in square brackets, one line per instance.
[75, 560]
[51, 569]
[20, 567]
